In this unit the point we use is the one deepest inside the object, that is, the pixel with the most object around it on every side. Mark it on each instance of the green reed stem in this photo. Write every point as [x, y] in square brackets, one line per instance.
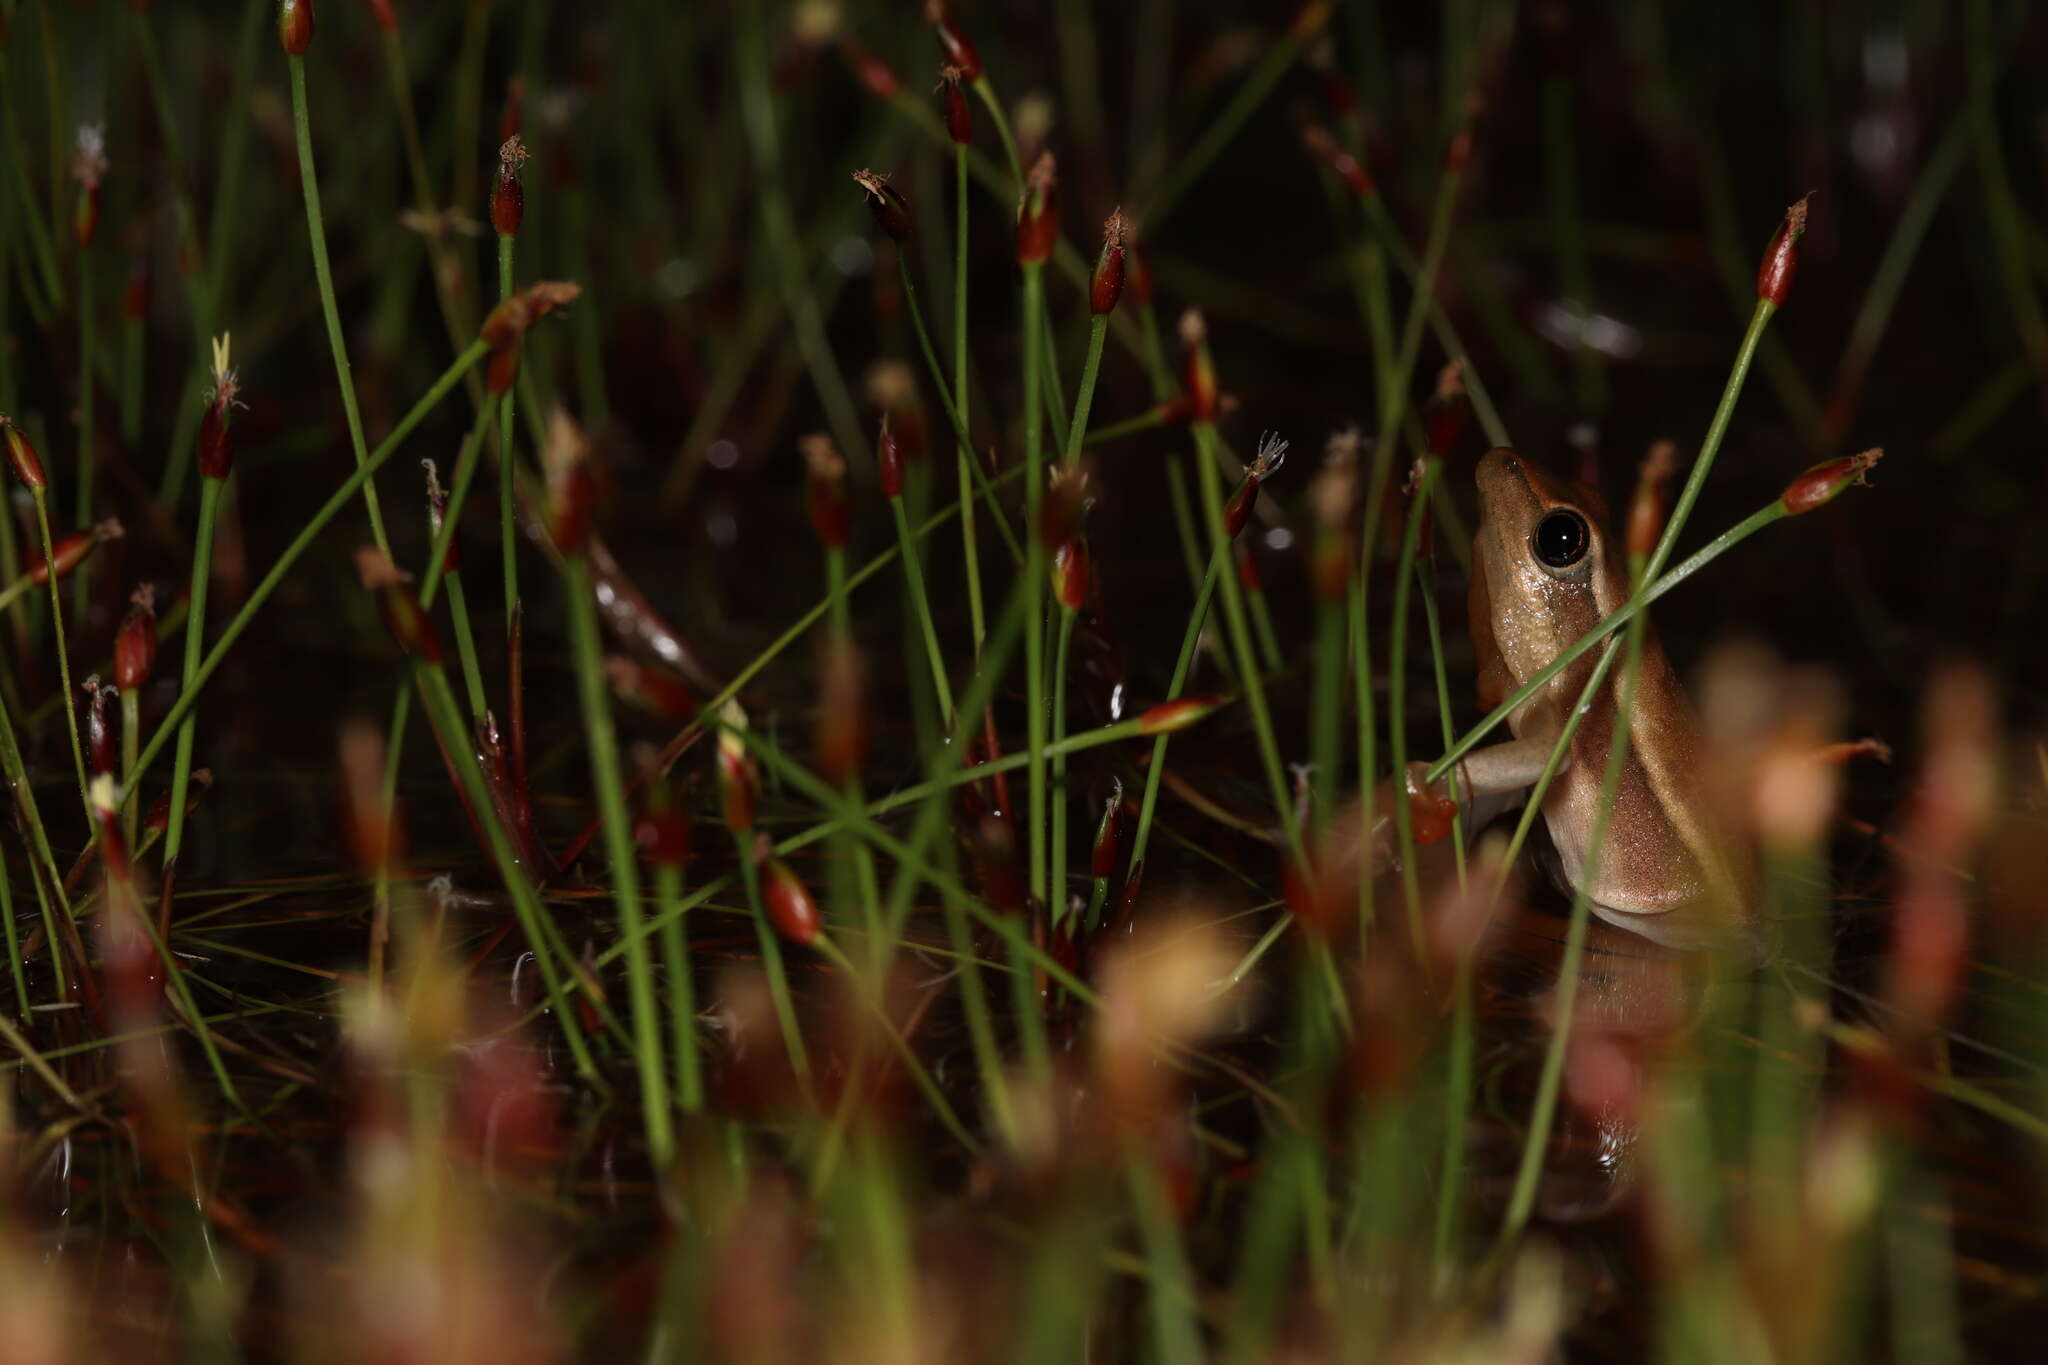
[602, 739]
[1169, 1278]
[1397, 703]
[1151, 417]
[88, 455]
[316, 232]
[508, 517]
[1056, 908]
[772, 963]
[14, 958]
[977, 619]
[682, 990]
[913, 578]
[1034, 578]
[983, 88]
[195, 643]
[465, 647]
[42, 496]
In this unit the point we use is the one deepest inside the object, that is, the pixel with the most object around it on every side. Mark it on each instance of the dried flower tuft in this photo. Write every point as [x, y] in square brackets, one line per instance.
[892, 214]
[1200, 378]
[1271, 455]
[825, 490]
[216, 453]
[1038, 215]
[88, 168]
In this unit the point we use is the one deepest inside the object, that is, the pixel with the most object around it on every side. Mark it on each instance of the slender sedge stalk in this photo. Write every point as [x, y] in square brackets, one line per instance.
[380, 901]
[446, 718]
[465, 647]
[16, 772]
[1326, 708]
[1359, 608]
[1151, 417]
[976, 617]
[316, 232]
[777, 972]
[1034, 580]
[1171, 1286]
[508, 519]
[42, 496]
[14, 959]
[300, 543]
[1084, 398]
[81, 581]
[682, 989]
[195, 644]
[987, 92]
[1397, 703]
[602, 738]
[1235, 617]
[131, 739]
[1523, 1198]
[1156, 770]
[1458, 1067]
[1057, 908]
[956, 416]
[913, 577]
[866, 884]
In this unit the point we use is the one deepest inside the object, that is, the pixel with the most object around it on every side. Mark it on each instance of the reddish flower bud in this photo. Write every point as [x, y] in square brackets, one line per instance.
[216, 451]
[960, 53]
[889, 461]
[508, 196]
[789, 903]
[825, 491]
[295, 26]
[504, 331]
[664, 828]
[654, 690]
[1106, 285]
[1646, 509]
[28, 466]
[101, 751]
[1781, 257]
[1823, 483]
[871, 71]
[1038, 216]
[566, 461]
[1070, 572]
[135, 642]
[892, 214]
[739, 783]
[70, 550]
[386, 17]
[1200, 378]
[959, 119]
[1108, 834]
[1061, 510]
[407, 620]
[1238, 511]
[1178, 714]
[1140, 273]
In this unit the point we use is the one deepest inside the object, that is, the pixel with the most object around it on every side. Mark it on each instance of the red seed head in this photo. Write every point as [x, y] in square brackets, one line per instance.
[959, 119]
[825, 491]
[1108, 834]
[1179, 714]
[1781, 257]
[295, 26]
[28, 466]
[1823, 483]
[508, 196]
[216, 449]
[504, 331]
[1063, 507]
[664, 827]
[1272, 454]
[408, 621]
[871, 71]
[135, 641]
[892, 214]
[1200, 377]
[101, 750]
[789, 903]
[566, 461]
[889, 461]
[1647, 508]
[960, 53]
[1106, 285]
[1038, 215]
[1070, 574]
[70, 550]
[385, 16]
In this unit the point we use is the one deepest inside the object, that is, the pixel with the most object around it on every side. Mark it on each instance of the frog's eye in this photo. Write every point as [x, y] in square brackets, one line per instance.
[1561, 539]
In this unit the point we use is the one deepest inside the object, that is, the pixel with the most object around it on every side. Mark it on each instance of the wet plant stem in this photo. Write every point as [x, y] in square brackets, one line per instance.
[14, 958]
[508, 517]
[867, 885]
[1183, 663]
[81, 578]
[42, 497]
[1397, 700]
[195, 643]
[987, 92]
[131, 740]
[465, 647]
[913, 578]
[682, 990]
[776, 971]
[1034, 581]
[601, 736]
[976, 616]
[316, 232]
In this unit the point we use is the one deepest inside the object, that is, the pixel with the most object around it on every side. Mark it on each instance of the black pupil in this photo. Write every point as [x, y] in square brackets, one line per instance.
[1561, 539]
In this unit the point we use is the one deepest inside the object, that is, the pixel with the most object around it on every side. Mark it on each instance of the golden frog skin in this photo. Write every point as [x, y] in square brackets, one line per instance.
[1544, 572]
